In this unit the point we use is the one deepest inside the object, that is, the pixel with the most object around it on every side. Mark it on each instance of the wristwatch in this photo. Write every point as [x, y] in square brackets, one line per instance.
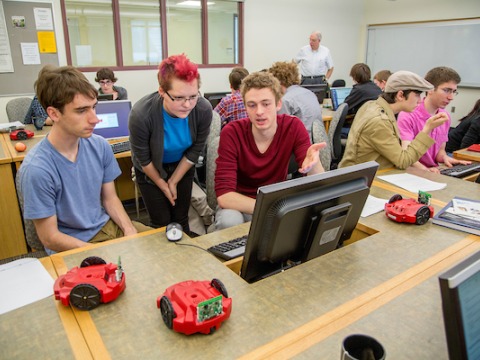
[38, 123]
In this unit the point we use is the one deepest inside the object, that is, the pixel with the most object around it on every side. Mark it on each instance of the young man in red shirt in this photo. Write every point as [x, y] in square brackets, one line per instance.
[256, 151]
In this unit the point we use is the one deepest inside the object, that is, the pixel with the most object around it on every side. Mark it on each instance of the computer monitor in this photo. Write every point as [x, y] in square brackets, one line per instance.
[297, 220]
[460, 292]
[113, 117]
[320, 90]
[104, 97]
[338, 95]
[215, 97]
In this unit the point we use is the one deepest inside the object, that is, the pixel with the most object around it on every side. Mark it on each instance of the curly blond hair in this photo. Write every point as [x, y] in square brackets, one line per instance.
[286, 73]
[261, 80]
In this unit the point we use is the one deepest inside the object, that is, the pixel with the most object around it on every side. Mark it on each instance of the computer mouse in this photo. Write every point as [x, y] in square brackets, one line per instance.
[174, 232]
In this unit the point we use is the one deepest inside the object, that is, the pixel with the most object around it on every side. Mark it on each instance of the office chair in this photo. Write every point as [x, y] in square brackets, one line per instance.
[17, 109]
[215, 126]
[319, 134]
[200, 166]
[30, 233]
[137, 192]
[334, 134]
[338, 83]
[212, 154]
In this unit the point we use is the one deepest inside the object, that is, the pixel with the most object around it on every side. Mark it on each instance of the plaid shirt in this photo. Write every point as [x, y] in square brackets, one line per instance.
[231, 108]
[36, 110]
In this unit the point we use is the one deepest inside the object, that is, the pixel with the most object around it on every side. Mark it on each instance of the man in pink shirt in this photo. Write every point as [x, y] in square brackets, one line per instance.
[445, 81]
[256, 151]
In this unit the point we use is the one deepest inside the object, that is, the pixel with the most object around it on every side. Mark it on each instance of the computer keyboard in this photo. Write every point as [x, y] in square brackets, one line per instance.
[121, 146]
[230, 249]
[461, 170]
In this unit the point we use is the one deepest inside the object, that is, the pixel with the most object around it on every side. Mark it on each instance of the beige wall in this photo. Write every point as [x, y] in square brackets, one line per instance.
[276, 35]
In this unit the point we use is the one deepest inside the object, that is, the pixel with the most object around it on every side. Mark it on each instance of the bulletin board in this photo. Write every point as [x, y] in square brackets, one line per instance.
[27, 24]
[418, 47]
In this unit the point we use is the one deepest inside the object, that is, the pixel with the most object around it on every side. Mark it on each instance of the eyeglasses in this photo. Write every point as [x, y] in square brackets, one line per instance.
[183, 99]
[449, 91]
[105, 82]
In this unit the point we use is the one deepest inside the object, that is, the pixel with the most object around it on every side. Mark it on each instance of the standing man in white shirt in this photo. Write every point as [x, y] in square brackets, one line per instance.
[316, 64]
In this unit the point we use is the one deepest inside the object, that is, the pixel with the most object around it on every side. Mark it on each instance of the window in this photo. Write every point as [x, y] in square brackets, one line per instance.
[139, 34]
[223, 33]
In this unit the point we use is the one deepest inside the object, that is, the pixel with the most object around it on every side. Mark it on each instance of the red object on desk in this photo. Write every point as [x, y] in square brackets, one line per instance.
[92, 283]
[408, 210]
[474, 147]
[21, 134]
[192, 307]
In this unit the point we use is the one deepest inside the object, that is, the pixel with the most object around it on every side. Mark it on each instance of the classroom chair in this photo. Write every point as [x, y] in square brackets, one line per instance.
[319, 134]
[30, 234]
[212, 154]
[17, 109]
[334, 134]
[338, 83]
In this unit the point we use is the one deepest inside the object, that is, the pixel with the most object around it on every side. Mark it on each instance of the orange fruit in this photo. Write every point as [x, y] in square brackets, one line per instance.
[20, 147]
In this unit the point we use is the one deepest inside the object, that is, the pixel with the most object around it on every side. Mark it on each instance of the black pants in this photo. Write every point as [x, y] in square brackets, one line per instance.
[308, 80]
[159, 209]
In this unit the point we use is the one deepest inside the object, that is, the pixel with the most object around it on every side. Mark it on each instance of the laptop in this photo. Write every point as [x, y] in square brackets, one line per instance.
[338, 95]
[113, 117]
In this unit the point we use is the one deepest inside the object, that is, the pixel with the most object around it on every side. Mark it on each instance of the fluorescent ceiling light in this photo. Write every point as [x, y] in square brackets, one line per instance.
[193, 3]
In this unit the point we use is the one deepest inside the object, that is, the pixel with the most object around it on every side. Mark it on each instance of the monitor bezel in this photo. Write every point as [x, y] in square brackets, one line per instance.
[320, 90]
[450, 281]
[105, 97]
[254, 266]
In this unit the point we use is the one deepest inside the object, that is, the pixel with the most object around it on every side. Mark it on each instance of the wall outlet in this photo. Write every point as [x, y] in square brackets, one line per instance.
[453, 109]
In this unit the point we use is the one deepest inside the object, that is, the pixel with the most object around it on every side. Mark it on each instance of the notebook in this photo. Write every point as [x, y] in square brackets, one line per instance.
[113, 117]
[338, 95]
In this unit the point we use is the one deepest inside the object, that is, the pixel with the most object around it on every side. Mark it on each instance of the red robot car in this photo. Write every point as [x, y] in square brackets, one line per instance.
[195, 306]
[21, 134]
[408, 210]
[92, 283]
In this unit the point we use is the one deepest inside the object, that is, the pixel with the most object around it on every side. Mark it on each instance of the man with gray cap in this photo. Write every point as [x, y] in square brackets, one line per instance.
[375, 135]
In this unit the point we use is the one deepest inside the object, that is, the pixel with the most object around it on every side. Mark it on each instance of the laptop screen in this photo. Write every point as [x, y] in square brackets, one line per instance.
[113, 117]
[339, 95]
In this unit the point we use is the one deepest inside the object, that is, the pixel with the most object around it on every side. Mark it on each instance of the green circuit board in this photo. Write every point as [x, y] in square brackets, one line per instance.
[209, 308]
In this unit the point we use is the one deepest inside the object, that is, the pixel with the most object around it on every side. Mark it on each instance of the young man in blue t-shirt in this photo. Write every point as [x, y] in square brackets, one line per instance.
[67, 179]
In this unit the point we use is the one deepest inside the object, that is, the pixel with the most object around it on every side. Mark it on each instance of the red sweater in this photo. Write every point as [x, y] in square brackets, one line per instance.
[242, 168]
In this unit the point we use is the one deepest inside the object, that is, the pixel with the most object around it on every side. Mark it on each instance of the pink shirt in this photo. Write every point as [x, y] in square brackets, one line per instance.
[410, 124]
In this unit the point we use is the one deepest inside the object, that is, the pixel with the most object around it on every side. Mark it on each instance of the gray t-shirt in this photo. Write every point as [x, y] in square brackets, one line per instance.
[53, 185]
[302, 103]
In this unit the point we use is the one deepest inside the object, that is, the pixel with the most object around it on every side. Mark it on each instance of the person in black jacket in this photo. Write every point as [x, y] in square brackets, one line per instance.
[467, 131]
[363, 90]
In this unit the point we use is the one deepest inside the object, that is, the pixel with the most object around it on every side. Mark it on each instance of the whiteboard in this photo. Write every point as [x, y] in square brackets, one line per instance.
[419, 47]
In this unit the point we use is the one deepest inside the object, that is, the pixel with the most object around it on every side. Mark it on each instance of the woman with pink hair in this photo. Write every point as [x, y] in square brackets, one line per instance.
[168, 131]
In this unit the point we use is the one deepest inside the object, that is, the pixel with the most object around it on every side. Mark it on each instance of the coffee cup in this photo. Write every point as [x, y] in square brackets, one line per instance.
[362, 347]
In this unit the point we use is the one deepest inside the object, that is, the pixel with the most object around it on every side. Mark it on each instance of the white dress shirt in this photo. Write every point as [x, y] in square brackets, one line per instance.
[314, 62]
